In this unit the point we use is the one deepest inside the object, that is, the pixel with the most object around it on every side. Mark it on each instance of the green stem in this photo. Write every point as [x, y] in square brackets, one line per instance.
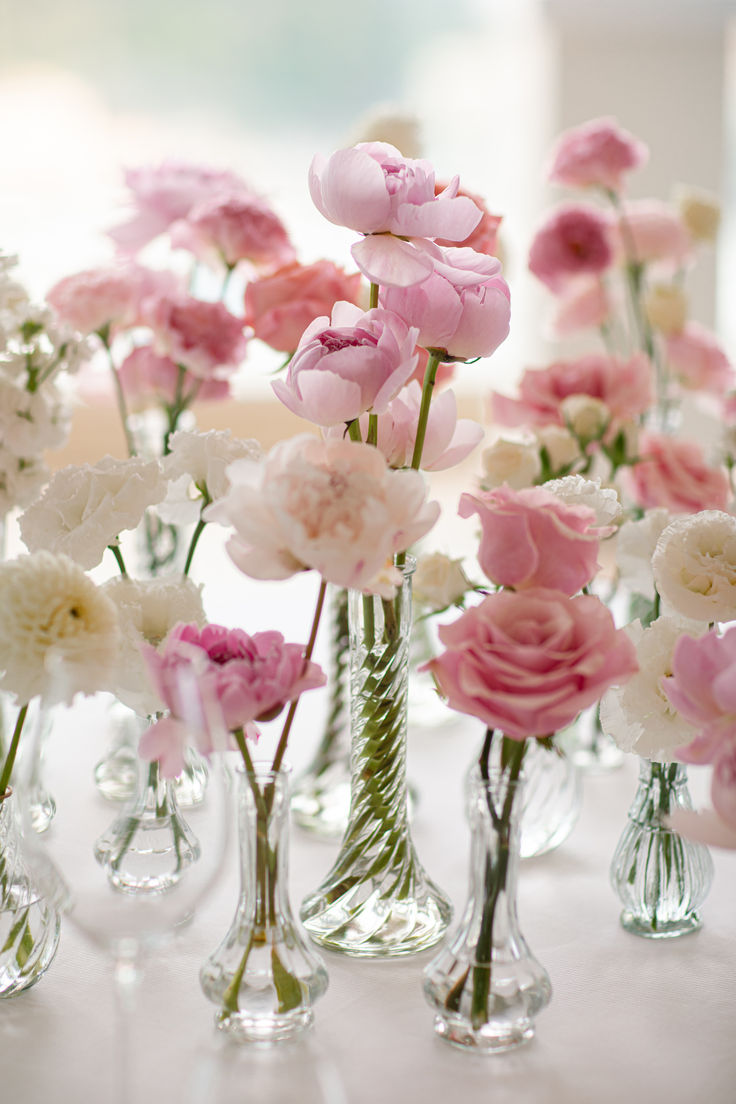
[430, 375]
[199, 529]
[354, 431]
[372, 438]
[104, 335]
[12, 750]
[115, 549]
[373, 297]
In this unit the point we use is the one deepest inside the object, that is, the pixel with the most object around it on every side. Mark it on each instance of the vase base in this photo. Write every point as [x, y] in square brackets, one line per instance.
[264, 1030]
[671, 929]
[489, 1039]
[377, 928]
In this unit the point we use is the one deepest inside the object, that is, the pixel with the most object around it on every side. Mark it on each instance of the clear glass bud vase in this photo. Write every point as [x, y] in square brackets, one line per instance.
[377, 900]
[552, 799]
[485, 985]
[264, 976]
[29, 925]
[661, 879]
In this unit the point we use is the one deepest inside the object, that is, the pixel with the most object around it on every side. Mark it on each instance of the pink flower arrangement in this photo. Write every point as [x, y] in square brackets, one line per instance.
[103, 298]
[200, 336]
[574, 241]
[674, 474]
[233, 227]
[528, 662]
[148, 379]
[280, 306]
[698, 361]
[597, 154]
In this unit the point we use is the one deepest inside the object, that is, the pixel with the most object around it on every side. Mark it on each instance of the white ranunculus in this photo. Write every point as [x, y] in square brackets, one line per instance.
[635, 544]
[575, 490]
[638, 715]
[694, 566]
[515, 463]
[563, 450]
[85, 508]
[439, 581]
[198, 462]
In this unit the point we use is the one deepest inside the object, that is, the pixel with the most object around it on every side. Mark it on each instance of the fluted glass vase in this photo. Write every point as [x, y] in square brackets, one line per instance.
[265, 976]
[377, 899]
[485, 985]
[660, 878]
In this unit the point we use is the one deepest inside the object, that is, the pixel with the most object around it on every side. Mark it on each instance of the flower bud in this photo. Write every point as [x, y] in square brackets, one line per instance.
[516, 463]
[562, 448]
[585, 416]
[665, 306]
[438, 581]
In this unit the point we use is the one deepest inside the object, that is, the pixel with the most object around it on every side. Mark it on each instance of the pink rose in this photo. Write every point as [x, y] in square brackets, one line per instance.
[113, 297]
[575, 240]
[484, 238]
[164, 193]
[674, 474]
[528, 662]
[531, 538]
[279, 307]
[201, 336]
[372, 188]
[596, 154]
[342, 367]
[585, 306]
[463, 308]
[649, 231]
[698, 361]
[234, 227]
[148, 378]
[334, 506]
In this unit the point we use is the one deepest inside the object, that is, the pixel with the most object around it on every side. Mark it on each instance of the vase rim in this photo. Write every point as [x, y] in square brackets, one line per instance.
[264, 768]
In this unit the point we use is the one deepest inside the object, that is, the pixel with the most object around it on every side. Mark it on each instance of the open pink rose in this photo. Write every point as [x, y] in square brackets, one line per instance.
[343, 366]
[201, 336]
[574, 241]
[698, 361]
[650, 231]
[279, 307]
[530, 538]
[112, 297]
[673, 473]
[147, 378]
[232, 227]
[597, 154]
[372, 188]
[528, 662]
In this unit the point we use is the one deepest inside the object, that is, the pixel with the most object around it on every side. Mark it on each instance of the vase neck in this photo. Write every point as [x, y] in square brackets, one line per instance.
[263, 803]
[494, 808]
[662, 789]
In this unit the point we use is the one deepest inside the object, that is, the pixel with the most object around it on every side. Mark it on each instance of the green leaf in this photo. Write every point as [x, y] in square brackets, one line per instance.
[288, 987]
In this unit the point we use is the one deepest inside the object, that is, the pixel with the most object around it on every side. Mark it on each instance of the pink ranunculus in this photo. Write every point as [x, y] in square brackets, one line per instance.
[673, 473]
[698, 361]
[484, 238]
[372, 188]
[584, 306]
[597, 154]
[531, 538]
[528, 662]
[279, 307]
[343, 366]
[201, 336]
[113, 296]
[334, 506]
[649, 231]
[161, 194]
[626, 387]
[232, 227]
[447, 442]
[463, 308]
[574, 241]
[148, 378]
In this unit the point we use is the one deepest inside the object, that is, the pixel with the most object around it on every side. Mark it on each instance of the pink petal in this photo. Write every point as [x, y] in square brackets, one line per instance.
[350, 190]
[389, 261]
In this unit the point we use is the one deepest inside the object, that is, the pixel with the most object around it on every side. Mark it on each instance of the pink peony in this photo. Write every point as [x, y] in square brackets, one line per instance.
[528, 662]
[164, 193]
[531, 538]
[148, 378]
[597, 154]
[201, 336]
[463, 308]
[279, 307]
[584, 306]
[99, 298]
[356, 361]
[698, 361]
[674, 474]
[484, 238]
[332, 505]
[372, 188]
[232, 227]
[574, 241]
[650, 231]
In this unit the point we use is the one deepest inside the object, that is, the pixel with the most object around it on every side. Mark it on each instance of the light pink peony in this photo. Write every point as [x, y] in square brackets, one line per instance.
[279, 307]
[530, 538]
[484, 238]
[528, 662]
[251, 678]
[584, 306]
[99, 298]
[463, 308]
[597, 154]
[333, 505]
[372, 188]
[698, 361]
[650, 231]
[201, 336]
[356, 361]
[232, 227]
[161, 194]
[147, 378]
[674, 474]
[574, 241]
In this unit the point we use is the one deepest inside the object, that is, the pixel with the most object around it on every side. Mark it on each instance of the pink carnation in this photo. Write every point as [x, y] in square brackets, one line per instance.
[574, 241]
[232, 227]
[528, 662]
[531, 538]
[597, 154]
[651, 231]
[698, 361]
[201, 336]
[99, 298]
[279, 307]
[149, 378]
[674, 474]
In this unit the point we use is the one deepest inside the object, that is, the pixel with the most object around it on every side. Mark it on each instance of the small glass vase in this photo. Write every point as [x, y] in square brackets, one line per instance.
[377, 899]
[29, 925]
[660, 878]
[264, 976]
[485, 985]
[552, 799]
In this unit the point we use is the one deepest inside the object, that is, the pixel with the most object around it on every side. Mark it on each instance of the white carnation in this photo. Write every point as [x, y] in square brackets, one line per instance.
[638, 715]
[438, 581]
[197, 467]
[515, 463]
[575, 490]
[635, 544]
[85, 508]
[694, 566]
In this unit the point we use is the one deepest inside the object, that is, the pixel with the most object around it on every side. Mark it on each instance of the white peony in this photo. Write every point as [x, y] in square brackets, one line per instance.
[635, 544]
[196, 467]
[515, 463]
[638, 715]
[439, 582]
[694, 566]
[85, 508]
[575, 490]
